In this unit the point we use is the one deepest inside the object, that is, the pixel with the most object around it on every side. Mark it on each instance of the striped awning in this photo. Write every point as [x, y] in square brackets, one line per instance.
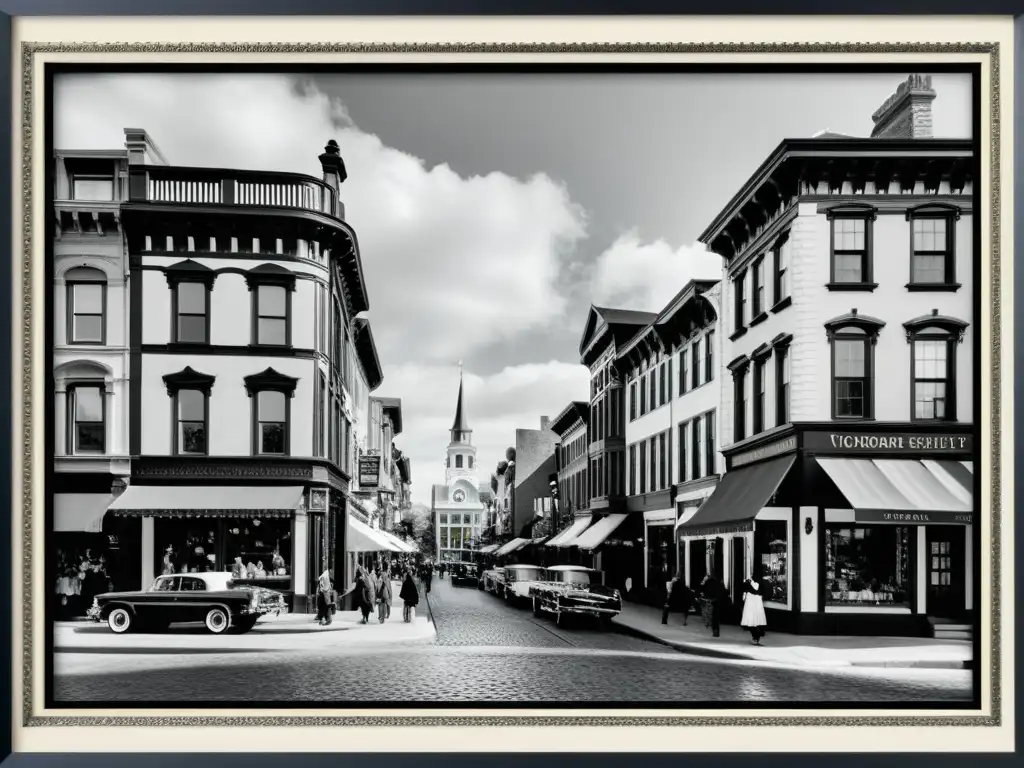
[363, 538]
[567, 534]
[206, 501]
[488, 549]
[511, 546]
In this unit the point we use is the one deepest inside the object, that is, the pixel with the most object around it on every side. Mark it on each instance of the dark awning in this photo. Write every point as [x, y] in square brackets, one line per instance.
[740, 495]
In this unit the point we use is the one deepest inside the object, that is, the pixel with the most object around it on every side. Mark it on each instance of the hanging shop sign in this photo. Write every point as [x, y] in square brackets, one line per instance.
[369, 471]
[902, 443]
[913, 518]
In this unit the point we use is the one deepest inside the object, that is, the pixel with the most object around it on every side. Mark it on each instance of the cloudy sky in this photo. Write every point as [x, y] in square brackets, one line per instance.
[493, 209]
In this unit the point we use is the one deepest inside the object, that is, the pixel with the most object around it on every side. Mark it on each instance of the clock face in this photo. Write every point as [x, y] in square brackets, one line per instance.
[459, 496]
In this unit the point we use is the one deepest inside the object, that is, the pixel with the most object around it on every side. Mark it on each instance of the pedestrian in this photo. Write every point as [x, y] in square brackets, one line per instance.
[323, 599]
[383, 587]
[410, 596]
[753, 618]
[680, 599]
[714, 594]
[428, 574]
[366, 593]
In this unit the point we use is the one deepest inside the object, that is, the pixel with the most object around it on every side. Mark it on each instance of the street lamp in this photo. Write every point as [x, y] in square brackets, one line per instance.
[554, 506]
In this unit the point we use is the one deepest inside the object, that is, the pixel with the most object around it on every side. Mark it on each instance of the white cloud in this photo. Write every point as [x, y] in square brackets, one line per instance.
[645, 276]
[496, 405]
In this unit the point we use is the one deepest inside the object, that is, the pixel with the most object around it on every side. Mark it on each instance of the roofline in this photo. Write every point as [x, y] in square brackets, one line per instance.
[573, 407]
[829, 147]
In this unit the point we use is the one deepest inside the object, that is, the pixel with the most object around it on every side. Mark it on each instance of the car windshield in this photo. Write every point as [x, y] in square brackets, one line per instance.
[575, 577]
[526, 574]
[164, 584]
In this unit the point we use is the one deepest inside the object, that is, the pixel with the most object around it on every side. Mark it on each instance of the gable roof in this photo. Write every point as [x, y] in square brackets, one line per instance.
[601, 318]
[566, 420]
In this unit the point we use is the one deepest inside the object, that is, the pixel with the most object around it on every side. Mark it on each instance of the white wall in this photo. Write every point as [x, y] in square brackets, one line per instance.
[230, 407]
[809, 576]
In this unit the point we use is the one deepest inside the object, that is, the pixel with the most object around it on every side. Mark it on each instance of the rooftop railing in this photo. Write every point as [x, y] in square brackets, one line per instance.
[213, 186]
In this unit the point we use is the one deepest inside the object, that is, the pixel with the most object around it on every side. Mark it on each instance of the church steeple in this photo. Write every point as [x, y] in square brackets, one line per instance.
[461, 462]
[460, 427]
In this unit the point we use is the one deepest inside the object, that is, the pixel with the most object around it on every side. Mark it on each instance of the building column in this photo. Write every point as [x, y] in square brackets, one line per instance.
[148, 551]
[300, 554]
[810, 580]
[921, 577]
[60, 418]
[109, 433]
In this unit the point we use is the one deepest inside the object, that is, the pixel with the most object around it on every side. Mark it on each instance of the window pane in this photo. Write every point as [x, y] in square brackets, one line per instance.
[867, 566]
[848, 267]
[89, 436]
[271, 406]
[88, 299]
[192, 437]
[88, 404]
[87, 328]
[272, 300]
[849, 357]
[93, 189]
[929, 268]
[930, 358]
[849, 234]
[849, 398]
[272, 331]
[191, 405]
[192, 328]
[929, 234]
[929, 400]
[272, 438]
[192, 298]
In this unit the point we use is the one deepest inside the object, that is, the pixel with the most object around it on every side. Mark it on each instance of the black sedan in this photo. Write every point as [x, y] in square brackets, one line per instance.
[464, 573]
[210, 598]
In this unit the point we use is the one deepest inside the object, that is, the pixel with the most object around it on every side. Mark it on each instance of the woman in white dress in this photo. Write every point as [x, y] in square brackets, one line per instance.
[753, 618]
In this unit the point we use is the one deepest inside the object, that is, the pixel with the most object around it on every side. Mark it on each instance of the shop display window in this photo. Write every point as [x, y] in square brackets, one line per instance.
[771, 548]
[186, 545]
[250, 548]
[255, 548]
[867, 566]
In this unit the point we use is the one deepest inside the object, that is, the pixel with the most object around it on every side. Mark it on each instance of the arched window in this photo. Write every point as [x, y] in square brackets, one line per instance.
[933, 340]
[87, 304]
[470, 460]
[458, 461]
[853, 340]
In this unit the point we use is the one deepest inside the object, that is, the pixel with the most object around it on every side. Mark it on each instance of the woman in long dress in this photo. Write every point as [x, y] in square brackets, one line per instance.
[368, 594]
[323, 592]
[383, 585]
[410, 596]
[753, 618]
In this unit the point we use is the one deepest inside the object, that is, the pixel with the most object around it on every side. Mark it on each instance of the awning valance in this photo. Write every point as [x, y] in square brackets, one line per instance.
[903, 490]
[595, 535]
[737, 499]
[79, 512]
[208, 501]
[510, 547]
[575, 529]
[363, 538]
[391, 538]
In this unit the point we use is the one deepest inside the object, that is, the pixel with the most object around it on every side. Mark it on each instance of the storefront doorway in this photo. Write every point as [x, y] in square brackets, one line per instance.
[661, 555]
[946, 577]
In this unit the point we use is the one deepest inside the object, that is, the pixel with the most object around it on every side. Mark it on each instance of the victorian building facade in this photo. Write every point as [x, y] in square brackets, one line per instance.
[246, 358]
[848, 410]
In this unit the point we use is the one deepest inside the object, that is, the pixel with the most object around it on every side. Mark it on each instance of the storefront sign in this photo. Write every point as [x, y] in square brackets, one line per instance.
[369, 471]
[913, 518]
[764, 452]
[904, 443]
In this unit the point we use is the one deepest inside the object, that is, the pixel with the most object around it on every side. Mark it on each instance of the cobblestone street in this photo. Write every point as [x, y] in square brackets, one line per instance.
[485, 650]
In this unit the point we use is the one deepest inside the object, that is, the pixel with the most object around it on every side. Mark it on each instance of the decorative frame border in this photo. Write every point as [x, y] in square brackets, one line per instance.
[31, 49]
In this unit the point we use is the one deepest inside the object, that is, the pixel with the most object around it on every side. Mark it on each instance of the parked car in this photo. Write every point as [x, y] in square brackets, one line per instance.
[464, 573]
[519, 579]
[572, 590]
[211, 598]
[494, 579]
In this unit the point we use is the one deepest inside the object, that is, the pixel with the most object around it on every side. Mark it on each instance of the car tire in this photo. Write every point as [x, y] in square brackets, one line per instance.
[217, 621]
[120, 620]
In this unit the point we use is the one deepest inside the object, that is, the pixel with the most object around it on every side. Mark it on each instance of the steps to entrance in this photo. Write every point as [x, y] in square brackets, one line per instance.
[945, 629]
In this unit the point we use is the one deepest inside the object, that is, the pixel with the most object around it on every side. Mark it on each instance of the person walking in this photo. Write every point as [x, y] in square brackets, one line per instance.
[428, 574]
[323, 599]
[753, 619]
[714, 594]
[680, 599]
[410, 596]
[383, 587]
[367, 593]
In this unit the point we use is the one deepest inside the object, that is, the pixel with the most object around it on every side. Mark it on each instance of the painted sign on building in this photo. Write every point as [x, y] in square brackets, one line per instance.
[891, 443]
[369, 471]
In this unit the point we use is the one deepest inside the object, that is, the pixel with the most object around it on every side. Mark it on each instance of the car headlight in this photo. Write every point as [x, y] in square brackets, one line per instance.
[616, 595]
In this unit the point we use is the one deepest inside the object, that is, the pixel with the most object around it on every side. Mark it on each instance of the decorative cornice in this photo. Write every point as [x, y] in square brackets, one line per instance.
[272, 380]
[189, 271]
[188, 378]
[871, 326]
[951, 325]
[270, 274]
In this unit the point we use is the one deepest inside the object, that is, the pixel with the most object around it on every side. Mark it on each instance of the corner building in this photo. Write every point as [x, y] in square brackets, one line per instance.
[848, 408]
[244, 354]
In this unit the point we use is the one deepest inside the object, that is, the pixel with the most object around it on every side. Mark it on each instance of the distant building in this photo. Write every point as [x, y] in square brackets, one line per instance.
[534, 464]
[573, 459]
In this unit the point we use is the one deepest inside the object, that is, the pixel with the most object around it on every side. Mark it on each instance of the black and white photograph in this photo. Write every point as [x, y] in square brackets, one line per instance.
[486, 386]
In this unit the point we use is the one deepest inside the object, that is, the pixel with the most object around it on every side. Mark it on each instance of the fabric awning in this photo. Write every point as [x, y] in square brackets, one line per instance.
[737, 499]
[595, 535]
[488, 549]
[392, 539]
[511, 546]
[363, 538]
[902, 490]
[208, 501]
[575, 529]
[79, 512]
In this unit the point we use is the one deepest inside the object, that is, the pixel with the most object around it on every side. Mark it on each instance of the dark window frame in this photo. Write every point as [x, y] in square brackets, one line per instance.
[709, 443]
[71, 393]
[739, 368]
[72, 283]
[950, 214]
[652, 448]
[271, 381]
[653, 394]
[758, 291]
[854, 327]
[684, 370]
[866, 214]
[782, 244]
[936, 328]
[632, 400]
[662, 461]
[709, 356]
[176, 315]
[739, 304]
[695, 364]
[682, 429]
[695, 456]
[191, 380]
[783, 405]
[271, 276]
[632, 470]
[662, 381]
[759, 393]
[642, 467]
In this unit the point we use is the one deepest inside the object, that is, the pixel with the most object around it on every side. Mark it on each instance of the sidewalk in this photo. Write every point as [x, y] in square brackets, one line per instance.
[799, 650]
[291, 632]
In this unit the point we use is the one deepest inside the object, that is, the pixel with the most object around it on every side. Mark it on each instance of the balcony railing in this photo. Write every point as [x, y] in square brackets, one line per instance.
[212, 186]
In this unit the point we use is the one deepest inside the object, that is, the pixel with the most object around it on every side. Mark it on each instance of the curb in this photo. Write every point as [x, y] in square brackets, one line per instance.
[697, 650]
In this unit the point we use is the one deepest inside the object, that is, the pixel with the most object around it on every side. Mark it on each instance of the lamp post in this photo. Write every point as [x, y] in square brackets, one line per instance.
[554, 506]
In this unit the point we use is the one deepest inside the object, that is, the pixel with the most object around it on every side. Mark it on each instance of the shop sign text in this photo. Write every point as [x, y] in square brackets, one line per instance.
[853, 442]
[369, 471]
[914, 518]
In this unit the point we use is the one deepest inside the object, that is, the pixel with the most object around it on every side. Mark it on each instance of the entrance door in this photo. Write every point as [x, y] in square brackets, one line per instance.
[696, 556]
[945, 566]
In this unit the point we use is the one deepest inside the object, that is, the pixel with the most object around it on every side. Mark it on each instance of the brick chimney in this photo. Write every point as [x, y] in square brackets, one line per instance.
[907, 114]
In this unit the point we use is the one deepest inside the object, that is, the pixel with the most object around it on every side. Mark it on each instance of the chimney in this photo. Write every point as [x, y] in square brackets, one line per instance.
[545, 423]
[907, 114]
[142, 150]
[334, 175]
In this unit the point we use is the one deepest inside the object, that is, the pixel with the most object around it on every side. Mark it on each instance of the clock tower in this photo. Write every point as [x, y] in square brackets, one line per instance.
[461, 461]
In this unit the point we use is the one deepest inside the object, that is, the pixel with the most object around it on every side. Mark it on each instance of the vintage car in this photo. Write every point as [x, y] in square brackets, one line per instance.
[572, 590]
[519, 579]
[464, 573]
[211, 598]
[494, 579]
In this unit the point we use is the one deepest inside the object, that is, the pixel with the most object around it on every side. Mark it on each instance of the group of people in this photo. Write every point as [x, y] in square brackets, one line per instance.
[374, 590]
[712, 593]
[80, 577]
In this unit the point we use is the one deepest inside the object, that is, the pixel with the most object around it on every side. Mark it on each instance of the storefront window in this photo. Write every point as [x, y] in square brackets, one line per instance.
[661, 555]
[867, 566]
[255, 549]
[185, 545]
[771, 551]
[250, 548]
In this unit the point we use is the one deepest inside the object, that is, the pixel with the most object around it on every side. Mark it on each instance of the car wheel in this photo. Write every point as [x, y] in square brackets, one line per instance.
[217, 621]
[120, 620]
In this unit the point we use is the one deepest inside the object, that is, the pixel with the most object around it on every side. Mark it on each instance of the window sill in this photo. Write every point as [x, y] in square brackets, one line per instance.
[936, 287]
[758, 319]
[781, 305]
[851, 286]
[737, 334]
